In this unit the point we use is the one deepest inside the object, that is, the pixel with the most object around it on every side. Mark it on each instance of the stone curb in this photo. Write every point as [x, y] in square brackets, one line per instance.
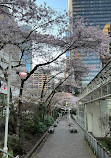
[35, 147]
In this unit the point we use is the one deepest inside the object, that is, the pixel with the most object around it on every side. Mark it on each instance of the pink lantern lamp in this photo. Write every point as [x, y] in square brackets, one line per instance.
[22, 72]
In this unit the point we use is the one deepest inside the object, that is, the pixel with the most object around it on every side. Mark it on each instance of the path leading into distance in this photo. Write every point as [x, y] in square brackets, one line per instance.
[63, 144]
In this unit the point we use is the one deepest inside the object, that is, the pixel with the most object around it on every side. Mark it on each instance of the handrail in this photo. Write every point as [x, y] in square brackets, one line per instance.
[97, 148]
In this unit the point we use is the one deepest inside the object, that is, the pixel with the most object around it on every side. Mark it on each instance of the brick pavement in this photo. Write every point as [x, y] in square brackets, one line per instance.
[63, 144]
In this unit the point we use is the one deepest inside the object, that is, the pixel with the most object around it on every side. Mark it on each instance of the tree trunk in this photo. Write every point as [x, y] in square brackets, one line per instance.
[12, 120]
[19, 110]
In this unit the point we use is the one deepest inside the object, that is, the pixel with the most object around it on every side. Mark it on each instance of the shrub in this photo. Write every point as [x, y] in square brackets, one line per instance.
[55, 113]
[49, 120]
[32, 126]
[41, 127]
[14, 144]
[28, 125]
[108, 142]
[1, 154]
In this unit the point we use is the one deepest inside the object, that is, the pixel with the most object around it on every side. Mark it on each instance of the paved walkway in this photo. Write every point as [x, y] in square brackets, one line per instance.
[63, 144]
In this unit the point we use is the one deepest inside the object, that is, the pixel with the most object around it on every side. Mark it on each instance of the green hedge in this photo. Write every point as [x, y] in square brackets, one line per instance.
[48, 120]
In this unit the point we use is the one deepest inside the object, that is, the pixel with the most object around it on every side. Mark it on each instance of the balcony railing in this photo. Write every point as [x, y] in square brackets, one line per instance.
[99, 87]
[97, 148]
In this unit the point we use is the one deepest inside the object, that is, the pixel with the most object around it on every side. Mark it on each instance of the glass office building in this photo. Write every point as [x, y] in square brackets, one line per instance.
[28, 50]
[95, 13]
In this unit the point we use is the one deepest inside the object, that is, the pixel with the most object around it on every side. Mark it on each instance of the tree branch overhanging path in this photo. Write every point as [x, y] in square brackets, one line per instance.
[43, 19]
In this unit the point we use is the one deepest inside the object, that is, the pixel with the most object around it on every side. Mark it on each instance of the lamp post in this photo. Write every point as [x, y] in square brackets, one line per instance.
[22, 74]
[7, 108]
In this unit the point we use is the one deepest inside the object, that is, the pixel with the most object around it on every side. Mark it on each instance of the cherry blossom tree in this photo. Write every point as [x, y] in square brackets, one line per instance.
[60, 99]
[43, 19]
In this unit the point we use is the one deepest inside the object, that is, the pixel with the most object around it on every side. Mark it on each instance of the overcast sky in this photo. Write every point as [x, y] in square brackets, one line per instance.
[56, 4]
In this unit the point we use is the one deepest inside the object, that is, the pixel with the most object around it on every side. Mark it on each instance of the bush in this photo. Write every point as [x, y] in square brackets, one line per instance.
[49, 120]
[28, 125]
[32, 126]
[14, 144]
[108, 142]
[1, 154]
[41, 127]
[55, 113]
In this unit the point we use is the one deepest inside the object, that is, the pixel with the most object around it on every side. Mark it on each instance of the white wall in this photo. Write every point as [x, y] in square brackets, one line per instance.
[92, 115]
[104, 116]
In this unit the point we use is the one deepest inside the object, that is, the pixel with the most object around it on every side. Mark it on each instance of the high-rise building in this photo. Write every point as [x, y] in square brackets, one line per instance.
[27, 58]
[41, 80]
[95, 13]
[107, 30]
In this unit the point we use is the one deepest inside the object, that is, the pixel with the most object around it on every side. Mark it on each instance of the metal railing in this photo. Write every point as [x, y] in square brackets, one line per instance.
[79, 121]
[96, 146]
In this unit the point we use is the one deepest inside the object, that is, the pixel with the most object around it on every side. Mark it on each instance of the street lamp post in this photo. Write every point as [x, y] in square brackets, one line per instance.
[7, 108]
[22, 74]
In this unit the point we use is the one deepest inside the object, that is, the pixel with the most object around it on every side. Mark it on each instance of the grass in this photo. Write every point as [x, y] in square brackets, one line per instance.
[1, 147]
[1, 154]
[105, 143]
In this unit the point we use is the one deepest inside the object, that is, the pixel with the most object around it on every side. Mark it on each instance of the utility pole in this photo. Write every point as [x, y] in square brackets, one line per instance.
[7, 108]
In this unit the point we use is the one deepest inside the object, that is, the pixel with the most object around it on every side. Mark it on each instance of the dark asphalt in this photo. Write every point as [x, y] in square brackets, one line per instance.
[63, 144]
